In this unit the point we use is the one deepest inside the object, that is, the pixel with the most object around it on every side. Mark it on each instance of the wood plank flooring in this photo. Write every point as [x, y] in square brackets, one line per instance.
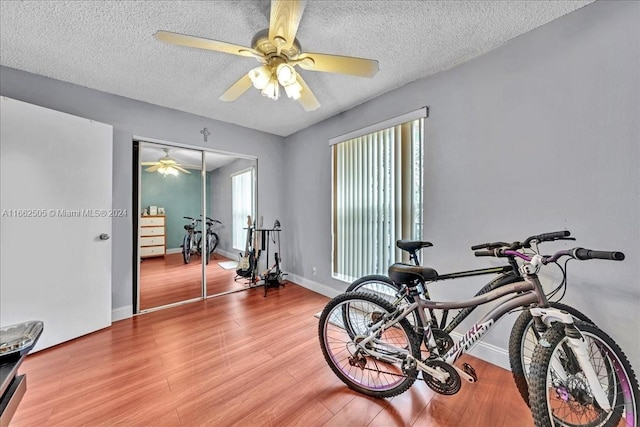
[239, 359]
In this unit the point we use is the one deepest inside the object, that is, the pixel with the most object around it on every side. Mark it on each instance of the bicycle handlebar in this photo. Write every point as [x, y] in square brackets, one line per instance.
[484, 253]
[544, 237]
[210, 221]
[547, 237]
[492, 245]
[584, 254]
[575, 253]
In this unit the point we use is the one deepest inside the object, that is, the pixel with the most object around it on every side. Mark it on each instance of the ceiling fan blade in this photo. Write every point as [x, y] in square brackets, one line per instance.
[153, 168]
[180, 169]
[337, 64]
[307, 99]
[203, 43]
[237, 89]
[284, 21]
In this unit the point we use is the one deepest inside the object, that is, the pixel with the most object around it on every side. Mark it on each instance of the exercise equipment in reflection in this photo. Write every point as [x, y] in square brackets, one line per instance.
[273, 277]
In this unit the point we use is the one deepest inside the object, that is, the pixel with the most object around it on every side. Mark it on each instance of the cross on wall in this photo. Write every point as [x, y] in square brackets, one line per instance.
[205, 132]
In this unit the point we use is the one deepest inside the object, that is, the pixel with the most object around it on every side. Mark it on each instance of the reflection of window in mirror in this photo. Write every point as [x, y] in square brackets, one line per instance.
[242, 205]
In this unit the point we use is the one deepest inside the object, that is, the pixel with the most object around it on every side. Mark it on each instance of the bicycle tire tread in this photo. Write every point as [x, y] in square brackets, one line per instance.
[540, 363]
[413, 339]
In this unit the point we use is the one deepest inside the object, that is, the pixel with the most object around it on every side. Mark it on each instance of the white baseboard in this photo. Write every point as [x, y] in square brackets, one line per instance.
[230, 255]
[487, 352]
[121, 313]
[316, 287]
[174, 251]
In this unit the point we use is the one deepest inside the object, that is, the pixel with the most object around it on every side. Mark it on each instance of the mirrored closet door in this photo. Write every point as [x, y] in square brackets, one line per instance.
[192, 224]
[170, 223]
[231, 200]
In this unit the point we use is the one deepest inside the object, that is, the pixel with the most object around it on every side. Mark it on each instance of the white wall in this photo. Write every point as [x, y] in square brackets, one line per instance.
[538, 135]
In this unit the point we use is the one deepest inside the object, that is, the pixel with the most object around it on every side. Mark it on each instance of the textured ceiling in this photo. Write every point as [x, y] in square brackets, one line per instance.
[109, 46]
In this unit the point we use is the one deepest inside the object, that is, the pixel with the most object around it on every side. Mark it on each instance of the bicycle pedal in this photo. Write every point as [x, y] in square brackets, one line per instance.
[468, 369]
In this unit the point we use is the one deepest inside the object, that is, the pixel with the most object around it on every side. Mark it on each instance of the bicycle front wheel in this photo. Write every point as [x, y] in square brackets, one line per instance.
[383, 367]
[560, 393]
[522, 342]
[186, 249]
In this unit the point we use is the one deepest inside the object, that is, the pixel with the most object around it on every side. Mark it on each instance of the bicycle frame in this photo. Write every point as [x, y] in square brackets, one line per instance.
[508, 275]
[528, 292]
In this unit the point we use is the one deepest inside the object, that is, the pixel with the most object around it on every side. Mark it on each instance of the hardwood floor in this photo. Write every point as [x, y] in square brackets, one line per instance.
[239, 359]
[167, 280]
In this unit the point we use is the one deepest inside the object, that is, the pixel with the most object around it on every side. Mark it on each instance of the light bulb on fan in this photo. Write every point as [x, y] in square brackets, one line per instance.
[260, 76]
[286, 74]
[272, 90]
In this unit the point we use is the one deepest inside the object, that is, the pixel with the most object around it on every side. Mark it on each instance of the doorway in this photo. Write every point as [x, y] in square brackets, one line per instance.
[184, 199]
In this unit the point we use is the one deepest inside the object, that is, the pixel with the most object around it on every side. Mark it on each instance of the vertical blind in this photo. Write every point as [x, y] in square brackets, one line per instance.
[377, 198]
[241, 206]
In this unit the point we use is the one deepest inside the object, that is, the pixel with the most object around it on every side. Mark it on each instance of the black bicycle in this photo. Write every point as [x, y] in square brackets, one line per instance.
[211, 236]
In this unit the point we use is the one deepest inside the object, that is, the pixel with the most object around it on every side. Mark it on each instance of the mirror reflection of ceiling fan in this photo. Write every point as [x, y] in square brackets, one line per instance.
[165, 165]
[278, 51]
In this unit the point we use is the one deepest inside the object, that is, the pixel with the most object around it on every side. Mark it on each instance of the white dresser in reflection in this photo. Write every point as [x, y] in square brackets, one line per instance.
[152, 236]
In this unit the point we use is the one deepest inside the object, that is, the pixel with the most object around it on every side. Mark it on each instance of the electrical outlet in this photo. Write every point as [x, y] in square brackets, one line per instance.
[313, 271]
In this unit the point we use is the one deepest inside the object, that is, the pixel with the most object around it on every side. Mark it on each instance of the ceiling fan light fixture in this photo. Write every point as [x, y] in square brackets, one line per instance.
[260, 76]
[286, 74]
[168, 170]
[272, 90]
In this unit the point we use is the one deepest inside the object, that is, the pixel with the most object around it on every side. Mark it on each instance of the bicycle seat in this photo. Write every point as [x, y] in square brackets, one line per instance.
[412, 245]
[188, 227]
[407, 273]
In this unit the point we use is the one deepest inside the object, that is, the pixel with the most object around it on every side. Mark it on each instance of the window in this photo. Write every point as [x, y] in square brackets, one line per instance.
[377, 198]
[241, 206]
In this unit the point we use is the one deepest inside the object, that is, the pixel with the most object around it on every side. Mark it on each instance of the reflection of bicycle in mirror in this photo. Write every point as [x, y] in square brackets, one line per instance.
[212, 237]
[192, 243]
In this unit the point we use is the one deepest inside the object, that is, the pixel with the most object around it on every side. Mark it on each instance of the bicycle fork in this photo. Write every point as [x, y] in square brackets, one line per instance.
[578, 346]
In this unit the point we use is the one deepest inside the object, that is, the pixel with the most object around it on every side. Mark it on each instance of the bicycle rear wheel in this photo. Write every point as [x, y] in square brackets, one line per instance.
[387, 289]
[214, 240]
[522, 342]
[560, 394]
[357, 367]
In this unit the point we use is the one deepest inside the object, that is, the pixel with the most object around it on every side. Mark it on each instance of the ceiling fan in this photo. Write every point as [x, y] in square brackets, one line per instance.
[165, 165]
[278, 51]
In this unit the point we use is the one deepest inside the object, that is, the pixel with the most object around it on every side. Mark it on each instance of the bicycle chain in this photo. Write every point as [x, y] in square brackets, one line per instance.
[389, 373]
[449, 388]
